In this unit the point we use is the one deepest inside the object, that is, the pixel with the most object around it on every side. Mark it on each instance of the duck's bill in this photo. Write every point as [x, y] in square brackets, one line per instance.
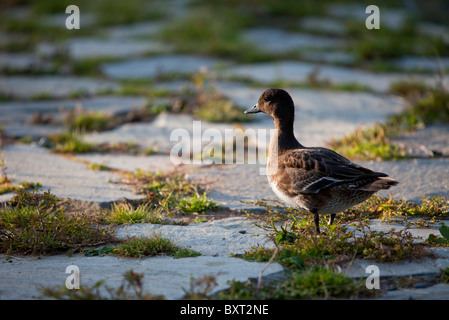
[254, 109]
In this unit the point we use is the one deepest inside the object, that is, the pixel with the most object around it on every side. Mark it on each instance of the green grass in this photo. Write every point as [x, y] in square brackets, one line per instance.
[310, 283]
[301, 247]
[371, 143]
[141, 87]
[88, 121]
[386, 43]
[69, 142]
[211, 105]
[98, 167]
[117, 12]
[426, 105]
[36, 223]
[220, 110]
[172, 194]
[197, 203]
[131, 289]
[436, 240]
[152, 246]
[6, 186]
[386, 208]
[121, 213]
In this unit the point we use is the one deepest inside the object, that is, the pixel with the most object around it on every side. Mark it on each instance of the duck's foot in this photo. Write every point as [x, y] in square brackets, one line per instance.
[331, 219]
[316, 219]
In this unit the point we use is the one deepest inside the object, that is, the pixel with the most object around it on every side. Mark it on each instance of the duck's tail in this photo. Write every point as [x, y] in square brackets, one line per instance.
[382, 183]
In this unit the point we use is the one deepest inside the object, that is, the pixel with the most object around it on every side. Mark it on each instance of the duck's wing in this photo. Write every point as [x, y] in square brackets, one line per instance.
[313, 170]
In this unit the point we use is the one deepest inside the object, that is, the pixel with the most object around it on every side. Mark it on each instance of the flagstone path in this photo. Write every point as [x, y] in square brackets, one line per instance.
[321, 114]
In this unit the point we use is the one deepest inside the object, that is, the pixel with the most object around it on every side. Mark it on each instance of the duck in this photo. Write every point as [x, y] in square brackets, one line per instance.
[315, 179]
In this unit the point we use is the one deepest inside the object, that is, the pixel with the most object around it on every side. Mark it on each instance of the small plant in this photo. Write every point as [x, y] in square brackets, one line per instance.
[300, 246]
[427, 105]
[319, 282]
[8, 186]
[171, 192]
[445, 275]
[206, 33]
[126, 213]
[369, 143]
[257, 254]
[87, 121]
[152, 246]
[440, 241]
[200, 288]
[220, 110]
[130, 289]
[69, 142]
[309, 283]
[197, 204]
[385, 208]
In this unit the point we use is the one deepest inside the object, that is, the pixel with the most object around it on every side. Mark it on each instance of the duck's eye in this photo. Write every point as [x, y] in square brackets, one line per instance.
[267, 98]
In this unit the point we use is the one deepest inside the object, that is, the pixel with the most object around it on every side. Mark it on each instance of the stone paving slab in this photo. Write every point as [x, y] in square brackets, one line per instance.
[433, 292]
[417, 177]
[64, 177]
[16, 113]
[90, 48]
[282, 41]
[20, 277]
[433, 140]
[23, 62]
[158, 65]
[135, 30]
[296, 71]
[425, 266]
[131, 163]
[215, 238]
[26, 87]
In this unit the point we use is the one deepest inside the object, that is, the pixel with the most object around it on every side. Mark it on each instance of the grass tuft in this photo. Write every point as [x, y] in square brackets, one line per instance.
[155, 245]
[197, 204]
[121, 213]
[36, 223]
[426, 106]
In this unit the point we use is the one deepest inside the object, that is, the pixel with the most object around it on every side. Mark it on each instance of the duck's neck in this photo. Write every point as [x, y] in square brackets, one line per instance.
[284, 135]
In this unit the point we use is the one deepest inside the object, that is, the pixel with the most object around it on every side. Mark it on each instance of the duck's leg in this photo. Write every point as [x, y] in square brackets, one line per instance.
[316, 218]
[331, 219]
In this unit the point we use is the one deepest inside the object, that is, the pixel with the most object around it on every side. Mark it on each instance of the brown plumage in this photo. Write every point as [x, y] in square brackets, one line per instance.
[315, 179]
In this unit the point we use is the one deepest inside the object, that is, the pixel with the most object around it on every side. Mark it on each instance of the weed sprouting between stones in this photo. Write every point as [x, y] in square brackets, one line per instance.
[124, 212]
[69, 142]
[387, 207]
[300, 246]
[140, 247]
[172, 192]
[132, 288]
[35, 223]
[197, 203]
[351, 236]
[426, 105]
[439, 241]
[307, 283]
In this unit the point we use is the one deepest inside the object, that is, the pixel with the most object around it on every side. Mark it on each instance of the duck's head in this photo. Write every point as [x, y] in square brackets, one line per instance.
[275, 102]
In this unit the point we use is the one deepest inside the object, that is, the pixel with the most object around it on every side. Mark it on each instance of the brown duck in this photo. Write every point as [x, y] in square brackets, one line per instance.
[316, 179]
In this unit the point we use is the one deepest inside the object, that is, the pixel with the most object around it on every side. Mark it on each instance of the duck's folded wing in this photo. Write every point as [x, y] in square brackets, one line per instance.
[312, 171]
